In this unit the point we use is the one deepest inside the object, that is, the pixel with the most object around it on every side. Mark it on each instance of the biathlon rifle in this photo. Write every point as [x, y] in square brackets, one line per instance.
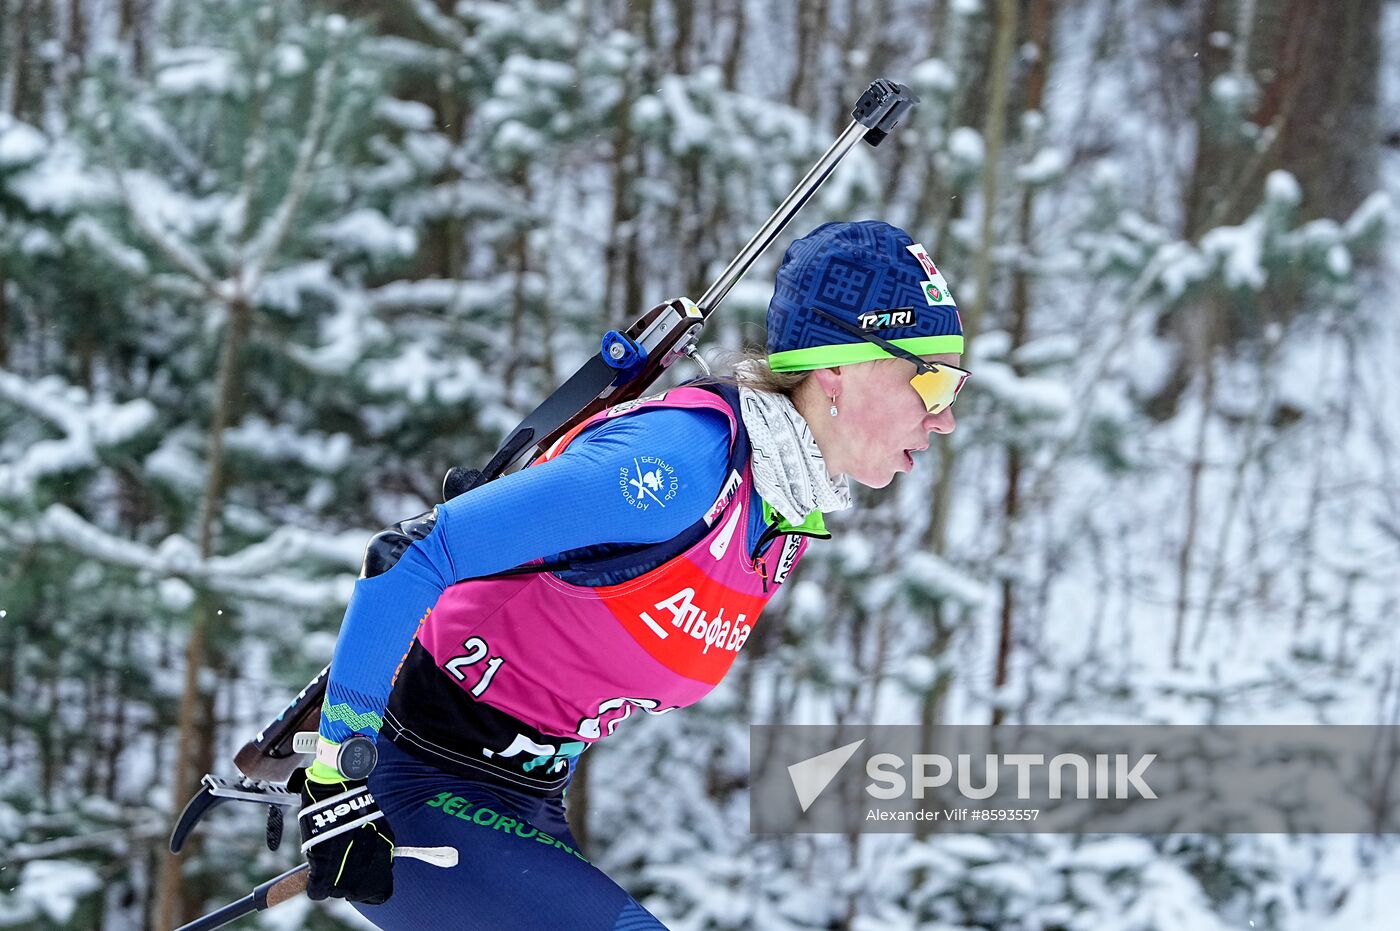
[628, 363]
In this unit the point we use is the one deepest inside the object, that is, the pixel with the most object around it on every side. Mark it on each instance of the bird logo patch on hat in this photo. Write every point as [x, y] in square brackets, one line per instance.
[935, 289]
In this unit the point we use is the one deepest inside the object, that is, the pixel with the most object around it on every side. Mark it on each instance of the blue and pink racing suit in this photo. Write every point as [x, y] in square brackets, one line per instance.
[623, 570]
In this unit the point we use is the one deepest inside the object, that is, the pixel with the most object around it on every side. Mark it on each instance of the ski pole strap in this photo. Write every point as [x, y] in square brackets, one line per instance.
[335, 815]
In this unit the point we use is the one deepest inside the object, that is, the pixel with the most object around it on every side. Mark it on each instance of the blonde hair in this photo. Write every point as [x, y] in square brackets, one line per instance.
[748, 368]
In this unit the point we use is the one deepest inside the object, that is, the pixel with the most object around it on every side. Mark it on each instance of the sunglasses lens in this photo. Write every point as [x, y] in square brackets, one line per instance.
[939, 388]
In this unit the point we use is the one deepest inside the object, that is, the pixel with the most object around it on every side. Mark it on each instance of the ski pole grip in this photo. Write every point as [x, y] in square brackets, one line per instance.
[881, 108]
[287, 886]
[273, 892]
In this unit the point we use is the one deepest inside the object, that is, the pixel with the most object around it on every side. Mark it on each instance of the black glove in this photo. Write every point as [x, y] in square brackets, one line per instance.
[346, 840]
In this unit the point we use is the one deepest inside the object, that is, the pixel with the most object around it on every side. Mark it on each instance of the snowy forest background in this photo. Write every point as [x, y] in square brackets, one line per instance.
[269, 267]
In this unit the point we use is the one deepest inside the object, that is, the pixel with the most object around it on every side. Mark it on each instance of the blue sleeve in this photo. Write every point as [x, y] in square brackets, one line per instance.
[641, 478]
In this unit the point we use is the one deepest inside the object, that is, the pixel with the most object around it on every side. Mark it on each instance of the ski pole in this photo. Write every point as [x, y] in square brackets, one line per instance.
[293, 883]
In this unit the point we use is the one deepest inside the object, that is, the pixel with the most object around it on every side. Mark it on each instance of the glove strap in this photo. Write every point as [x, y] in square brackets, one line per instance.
[336, 815]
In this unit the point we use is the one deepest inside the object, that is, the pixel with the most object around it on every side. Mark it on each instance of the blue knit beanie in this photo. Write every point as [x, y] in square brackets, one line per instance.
[870, 274]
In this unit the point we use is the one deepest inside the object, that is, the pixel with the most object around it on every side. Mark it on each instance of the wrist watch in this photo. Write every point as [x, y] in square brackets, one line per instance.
[353, 757]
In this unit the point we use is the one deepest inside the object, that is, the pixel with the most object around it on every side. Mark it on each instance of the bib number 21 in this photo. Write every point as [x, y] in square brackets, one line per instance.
[477, 650]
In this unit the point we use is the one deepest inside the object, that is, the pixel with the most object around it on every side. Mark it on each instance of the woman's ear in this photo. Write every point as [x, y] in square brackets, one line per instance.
[829, 381]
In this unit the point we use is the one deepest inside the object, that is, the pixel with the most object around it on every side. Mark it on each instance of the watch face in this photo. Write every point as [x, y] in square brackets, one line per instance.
[357, 757]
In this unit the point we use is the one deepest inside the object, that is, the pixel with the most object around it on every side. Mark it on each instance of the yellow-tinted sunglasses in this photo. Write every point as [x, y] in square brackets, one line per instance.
[937, 383]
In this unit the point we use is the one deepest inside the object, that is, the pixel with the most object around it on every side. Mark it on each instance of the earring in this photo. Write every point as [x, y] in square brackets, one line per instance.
[833, 405]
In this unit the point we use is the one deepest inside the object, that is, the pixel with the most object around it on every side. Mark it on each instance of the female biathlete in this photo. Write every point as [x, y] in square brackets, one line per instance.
[623, 570]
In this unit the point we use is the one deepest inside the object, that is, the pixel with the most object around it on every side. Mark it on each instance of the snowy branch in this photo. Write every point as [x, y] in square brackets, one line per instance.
[117, 839]
[1132, 307]
[180, 253]
[269, 239]
[178, 286]
[254, 153]
[937, 578]
[442, 293]
[445, 29]
[96, 236]
[252, 572]
[235, 220]
[86, 425]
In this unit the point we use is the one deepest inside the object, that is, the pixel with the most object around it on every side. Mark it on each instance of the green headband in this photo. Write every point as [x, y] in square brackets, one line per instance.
[825, 357]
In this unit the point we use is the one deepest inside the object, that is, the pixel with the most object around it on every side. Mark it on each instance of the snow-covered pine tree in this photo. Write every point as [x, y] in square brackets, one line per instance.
[194, 381]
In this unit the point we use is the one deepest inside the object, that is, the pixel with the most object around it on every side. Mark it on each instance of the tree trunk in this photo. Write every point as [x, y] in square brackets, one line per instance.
[1195, 470]
[192, 751]
[454, 115]
[734, 51]
[20, 105]
[1217, 146]
[75, 48]
[681, 48]
[9, 690]
[519, 257]
[644, 20]
[62, 26]
[624, 293]
[994, 136]
[51, 747]
[1330, 142]
[4, 320]
[1316, 67]
[972, 100]
[1038, 36]
[1011, 505]
[93, 712]
[696, 235]
[119, 711]
[811, 27]
[619, 291]
[934, 698]
[134, 29]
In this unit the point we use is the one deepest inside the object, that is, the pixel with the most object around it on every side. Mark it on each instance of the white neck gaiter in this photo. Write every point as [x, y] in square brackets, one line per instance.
[788, 469]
